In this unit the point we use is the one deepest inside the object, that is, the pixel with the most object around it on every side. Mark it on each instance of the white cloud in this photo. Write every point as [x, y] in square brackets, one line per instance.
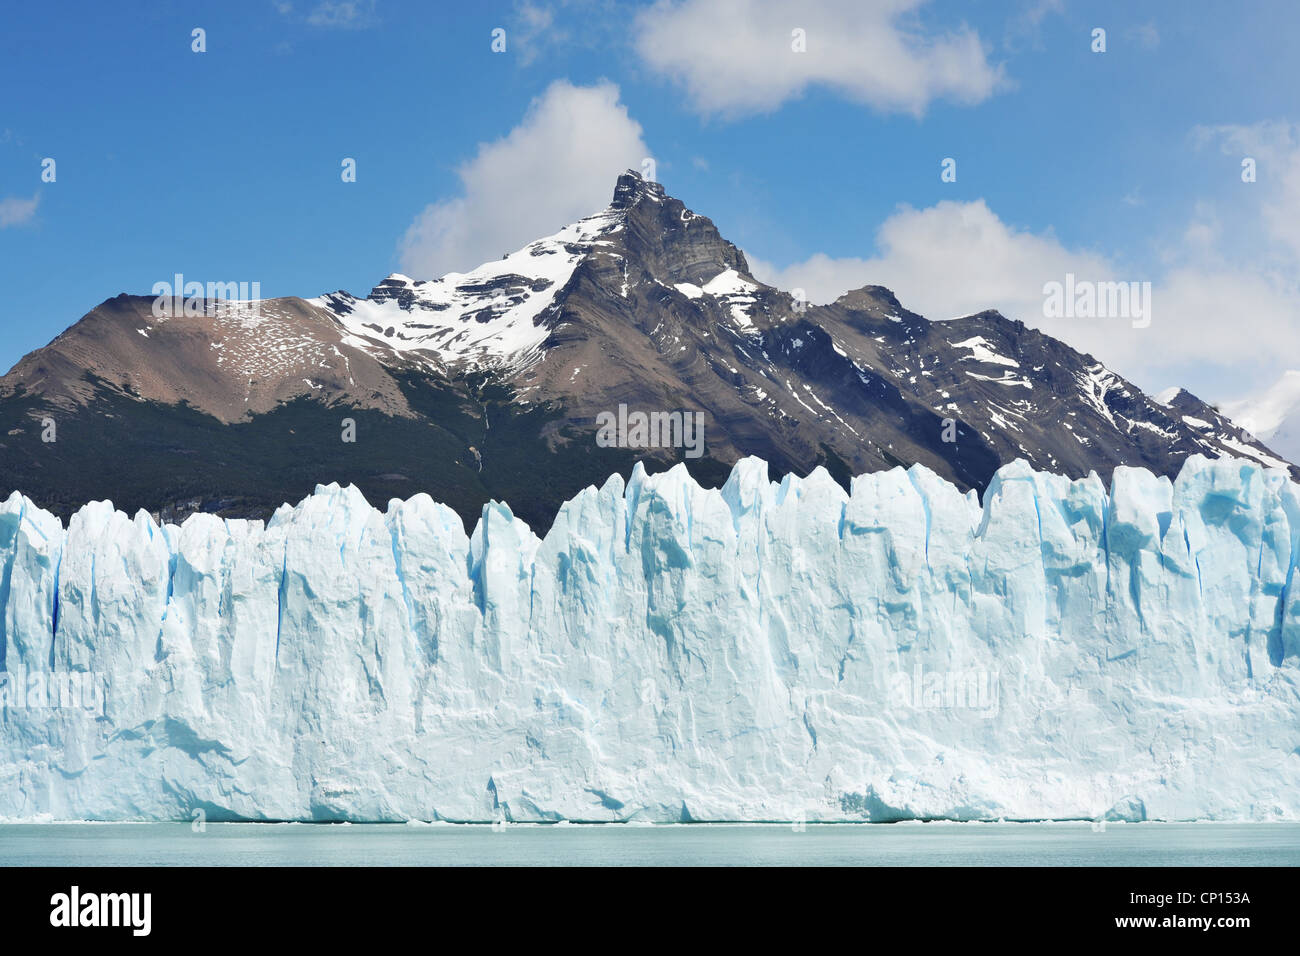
[952, 259]
[17, 212]
[1026, 26]
[1225, 310]
[534, 30]
[1144, 35]
[736, 57]
[1273, 200]
[1218, 321]
[558, 165]
[341, 14]
[1227, 316]
[1273, 414]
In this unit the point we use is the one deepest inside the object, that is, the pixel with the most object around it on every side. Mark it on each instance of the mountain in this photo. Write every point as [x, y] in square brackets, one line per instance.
[1062, 650]
[1273, 415]
[497, 383]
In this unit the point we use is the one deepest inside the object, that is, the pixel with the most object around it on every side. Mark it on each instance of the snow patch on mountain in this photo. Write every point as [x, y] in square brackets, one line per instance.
[732, 289]
[980, 352]
[490, 316]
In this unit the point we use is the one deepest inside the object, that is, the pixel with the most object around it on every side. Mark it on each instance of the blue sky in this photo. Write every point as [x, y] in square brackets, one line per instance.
[823, 166]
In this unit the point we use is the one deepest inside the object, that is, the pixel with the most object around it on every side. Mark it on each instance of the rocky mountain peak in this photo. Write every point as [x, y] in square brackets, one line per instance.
[870, 298]
[632, 189]
[488, 383]
[671, 242]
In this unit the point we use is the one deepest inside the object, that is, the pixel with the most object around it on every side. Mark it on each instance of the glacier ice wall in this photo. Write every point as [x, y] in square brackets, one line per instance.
[759, 652]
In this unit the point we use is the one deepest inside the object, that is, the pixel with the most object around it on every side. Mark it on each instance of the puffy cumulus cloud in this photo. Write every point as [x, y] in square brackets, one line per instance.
[1225, 298]
[1274, 198]
[17, 212]
[1226, 316]
[558, 165]
[948, 260]
[1236, 275]
[957, 258]
[736, 56]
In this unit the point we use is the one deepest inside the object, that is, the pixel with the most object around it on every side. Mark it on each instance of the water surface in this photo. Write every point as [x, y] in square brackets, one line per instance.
[921, 844]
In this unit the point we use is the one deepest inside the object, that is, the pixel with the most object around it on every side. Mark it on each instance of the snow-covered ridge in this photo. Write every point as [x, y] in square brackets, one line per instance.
[667, 652]
[488, 315]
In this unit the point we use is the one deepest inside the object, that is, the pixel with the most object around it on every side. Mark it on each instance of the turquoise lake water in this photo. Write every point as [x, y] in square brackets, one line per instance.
[923, 844]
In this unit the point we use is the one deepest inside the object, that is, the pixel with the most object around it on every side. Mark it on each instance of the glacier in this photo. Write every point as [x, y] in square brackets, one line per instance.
[760, 652]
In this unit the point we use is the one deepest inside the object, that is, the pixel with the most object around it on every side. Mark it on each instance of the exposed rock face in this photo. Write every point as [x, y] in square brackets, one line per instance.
[490, 384]
[242, 360]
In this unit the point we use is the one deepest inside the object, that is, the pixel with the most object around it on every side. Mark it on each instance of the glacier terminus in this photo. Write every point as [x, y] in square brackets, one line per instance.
[668, 653]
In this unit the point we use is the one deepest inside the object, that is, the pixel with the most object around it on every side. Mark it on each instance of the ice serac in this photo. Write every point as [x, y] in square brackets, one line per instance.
[759, 652]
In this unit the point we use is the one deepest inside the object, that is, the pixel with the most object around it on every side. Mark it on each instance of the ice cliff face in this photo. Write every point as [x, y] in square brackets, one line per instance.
[668, 653]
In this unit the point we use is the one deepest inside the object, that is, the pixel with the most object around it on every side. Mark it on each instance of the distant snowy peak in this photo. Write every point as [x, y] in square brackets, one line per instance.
[498, 316]
[1272, 415]
[490, 382]
[1167, 397]
[1217, 433]
[632, 188]
[489, 316]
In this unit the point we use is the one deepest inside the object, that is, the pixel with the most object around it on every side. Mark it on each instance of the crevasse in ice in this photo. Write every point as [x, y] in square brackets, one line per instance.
[760, 652]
